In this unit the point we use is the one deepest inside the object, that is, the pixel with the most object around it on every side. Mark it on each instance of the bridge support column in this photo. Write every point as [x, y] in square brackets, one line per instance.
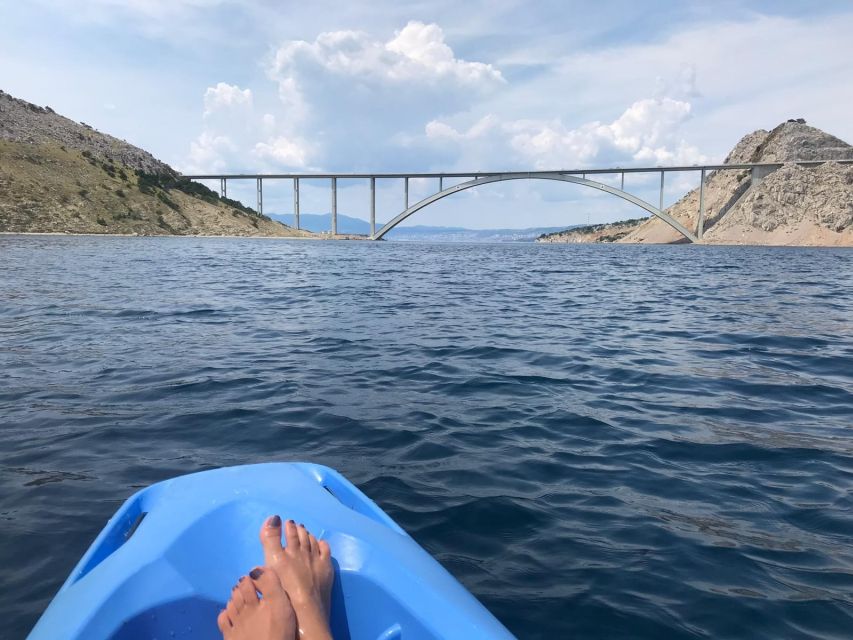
[700, 225]
[622, 183]
[441, 183]
[661, 192]
[406, 193]
[223, 190]
[260, 196]
[296, 202]
[372, 207]
[334, 206]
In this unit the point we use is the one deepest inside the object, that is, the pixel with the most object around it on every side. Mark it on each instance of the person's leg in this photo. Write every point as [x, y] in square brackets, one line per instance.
[247, 617]
[304, 566]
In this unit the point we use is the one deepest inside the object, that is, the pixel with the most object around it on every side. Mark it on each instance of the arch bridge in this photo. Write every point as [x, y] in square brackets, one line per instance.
[473, 179]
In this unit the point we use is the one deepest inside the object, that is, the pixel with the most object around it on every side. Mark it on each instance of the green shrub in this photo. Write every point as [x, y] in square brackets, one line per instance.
[162, 197]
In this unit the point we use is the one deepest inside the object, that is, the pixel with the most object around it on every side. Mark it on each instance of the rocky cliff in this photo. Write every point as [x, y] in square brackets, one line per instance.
[57, 175]
[793, 205]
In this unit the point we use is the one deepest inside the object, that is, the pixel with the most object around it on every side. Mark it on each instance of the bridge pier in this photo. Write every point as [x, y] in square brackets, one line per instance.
[260, 196]
[660, 206]
[406, 193]
[372, 207]
[296, 202]
[700, 225]
[334, 206]
[223, 191]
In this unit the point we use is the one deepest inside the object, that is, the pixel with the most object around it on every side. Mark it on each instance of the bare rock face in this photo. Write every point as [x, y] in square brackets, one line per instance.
[782, 207]
[811, 205]
[748, 148]
[796, 141]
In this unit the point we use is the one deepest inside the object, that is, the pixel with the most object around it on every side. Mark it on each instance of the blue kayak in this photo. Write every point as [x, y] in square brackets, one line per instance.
[164, 565]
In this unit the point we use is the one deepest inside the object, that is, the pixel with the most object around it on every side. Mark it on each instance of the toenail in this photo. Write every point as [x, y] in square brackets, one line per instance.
[301, 525]
[275, 521]
[291, 522]
[254, 574]
[241, 579]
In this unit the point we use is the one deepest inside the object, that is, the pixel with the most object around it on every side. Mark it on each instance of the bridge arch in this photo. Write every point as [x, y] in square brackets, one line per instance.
[672, 222]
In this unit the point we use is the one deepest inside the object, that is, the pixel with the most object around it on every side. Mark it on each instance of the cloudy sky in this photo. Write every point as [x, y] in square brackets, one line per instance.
[227, 86]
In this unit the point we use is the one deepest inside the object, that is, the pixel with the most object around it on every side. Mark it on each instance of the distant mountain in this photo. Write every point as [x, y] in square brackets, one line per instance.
[322, 223]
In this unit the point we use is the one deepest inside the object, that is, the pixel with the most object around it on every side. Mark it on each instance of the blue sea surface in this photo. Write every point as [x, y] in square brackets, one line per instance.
[598, 441]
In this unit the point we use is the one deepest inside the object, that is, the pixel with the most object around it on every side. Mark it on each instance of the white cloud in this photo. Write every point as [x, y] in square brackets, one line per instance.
[226, 97]
[417, 53]
[358, 94]
[437, 130]
[235, 136]
[647, 132]
[283, 152]
[208, 153]
[423, 54]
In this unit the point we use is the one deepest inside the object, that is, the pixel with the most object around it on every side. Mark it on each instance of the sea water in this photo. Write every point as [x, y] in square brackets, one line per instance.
[598, 441]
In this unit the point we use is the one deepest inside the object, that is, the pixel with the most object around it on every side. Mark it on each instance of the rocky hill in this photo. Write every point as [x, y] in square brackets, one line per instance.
[608, 232]
[57, 175]
[792, 206]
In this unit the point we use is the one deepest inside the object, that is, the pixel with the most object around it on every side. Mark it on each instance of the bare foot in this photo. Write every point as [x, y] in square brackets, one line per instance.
[304, 567]
[246, 617]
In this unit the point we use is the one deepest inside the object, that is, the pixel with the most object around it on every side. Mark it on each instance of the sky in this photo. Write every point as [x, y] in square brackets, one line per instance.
[215, 86]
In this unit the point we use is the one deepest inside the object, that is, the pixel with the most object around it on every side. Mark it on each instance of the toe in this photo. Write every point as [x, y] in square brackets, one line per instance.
[237, 598]
[291, 535]
[231, 610]
[247, 590]
[315, 549]
[271, 539]
[266, 581]
[325, 550]
[223, 621]
[302, 532]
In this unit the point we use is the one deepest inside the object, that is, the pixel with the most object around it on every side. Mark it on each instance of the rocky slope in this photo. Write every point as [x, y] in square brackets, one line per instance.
[793, 205]
[608, 232]
[57, 175]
